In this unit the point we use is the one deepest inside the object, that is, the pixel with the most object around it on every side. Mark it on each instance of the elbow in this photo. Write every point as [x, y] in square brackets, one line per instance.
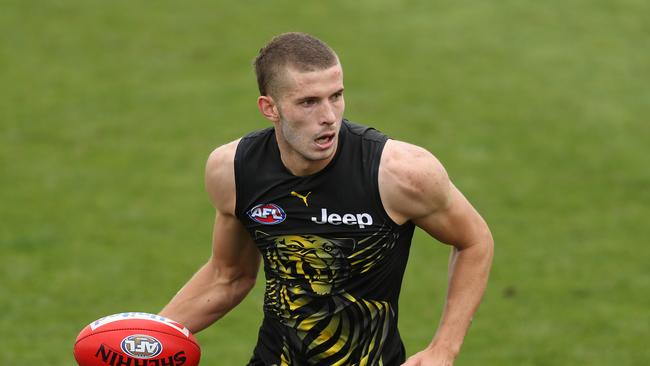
[487, 245]
[239, 289]
[488, 252]
[489, 240]
[481, 249]
[239, 284]
[481, 242]
[247, 282]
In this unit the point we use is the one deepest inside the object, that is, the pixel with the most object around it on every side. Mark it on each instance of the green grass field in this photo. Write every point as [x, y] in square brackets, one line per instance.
[539, 111]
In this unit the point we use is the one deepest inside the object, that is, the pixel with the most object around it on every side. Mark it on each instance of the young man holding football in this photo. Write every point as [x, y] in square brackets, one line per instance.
[330, 207]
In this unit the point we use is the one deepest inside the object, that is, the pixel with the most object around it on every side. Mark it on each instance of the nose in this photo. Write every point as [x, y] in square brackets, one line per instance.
[328, 113]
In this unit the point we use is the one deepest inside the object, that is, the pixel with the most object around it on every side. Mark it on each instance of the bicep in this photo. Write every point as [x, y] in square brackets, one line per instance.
[234, 253]
[456, 223]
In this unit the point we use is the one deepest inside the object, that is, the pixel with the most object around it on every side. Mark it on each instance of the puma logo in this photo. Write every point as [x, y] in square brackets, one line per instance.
[303, 198]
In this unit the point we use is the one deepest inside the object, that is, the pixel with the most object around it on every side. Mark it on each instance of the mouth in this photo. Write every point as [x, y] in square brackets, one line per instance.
[325, 141]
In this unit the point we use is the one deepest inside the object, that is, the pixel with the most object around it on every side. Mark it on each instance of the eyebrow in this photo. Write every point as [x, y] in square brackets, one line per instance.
[312, 97]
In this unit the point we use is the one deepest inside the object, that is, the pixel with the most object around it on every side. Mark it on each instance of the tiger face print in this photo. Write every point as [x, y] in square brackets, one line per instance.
[309, 262]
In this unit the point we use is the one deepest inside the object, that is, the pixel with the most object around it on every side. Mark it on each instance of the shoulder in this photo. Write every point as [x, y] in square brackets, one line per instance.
[412, 181]
[363, 131]
[220, 177]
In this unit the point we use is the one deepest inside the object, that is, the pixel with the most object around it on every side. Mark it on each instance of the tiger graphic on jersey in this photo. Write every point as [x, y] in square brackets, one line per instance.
[305, 290]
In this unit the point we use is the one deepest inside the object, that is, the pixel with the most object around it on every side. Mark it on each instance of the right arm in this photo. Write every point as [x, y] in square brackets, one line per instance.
[230, 273]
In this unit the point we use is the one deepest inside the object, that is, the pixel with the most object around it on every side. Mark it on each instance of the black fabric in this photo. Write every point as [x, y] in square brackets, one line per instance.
[333, 259]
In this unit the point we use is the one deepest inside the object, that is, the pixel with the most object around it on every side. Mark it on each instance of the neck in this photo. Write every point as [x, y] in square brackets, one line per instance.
[297, 164]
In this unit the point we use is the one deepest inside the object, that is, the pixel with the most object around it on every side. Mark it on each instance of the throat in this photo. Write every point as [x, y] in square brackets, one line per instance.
[301, 167]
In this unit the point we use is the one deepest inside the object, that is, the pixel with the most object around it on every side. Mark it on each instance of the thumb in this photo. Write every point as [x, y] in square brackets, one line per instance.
[411, 361]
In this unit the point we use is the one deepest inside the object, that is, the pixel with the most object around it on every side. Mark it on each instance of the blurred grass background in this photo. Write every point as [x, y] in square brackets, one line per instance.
[539, 111]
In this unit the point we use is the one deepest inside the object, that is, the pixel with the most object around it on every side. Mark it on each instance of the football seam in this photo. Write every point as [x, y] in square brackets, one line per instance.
[144, 330]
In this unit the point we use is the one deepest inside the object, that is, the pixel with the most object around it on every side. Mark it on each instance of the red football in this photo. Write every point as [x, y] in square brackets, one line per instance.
[136, 339]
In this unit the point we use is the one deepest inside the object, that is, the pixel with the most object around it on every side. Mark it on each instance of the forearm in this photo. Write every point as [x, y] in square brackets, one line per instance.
[468, 274]
[207, 297]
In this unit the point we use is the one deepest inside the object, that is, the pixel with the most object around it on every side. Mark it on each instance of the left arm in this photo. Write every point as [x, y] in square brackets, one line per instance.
[469, 266]
[414, 186]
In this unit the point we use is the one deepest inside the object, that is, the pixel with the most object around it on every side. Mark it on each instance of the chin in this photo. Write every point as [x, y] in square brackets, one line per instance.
[322, 155]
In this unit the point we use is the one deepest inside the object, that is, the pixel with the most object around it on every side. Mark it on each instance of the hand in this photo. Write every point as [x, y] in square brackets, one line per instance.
[430, 357]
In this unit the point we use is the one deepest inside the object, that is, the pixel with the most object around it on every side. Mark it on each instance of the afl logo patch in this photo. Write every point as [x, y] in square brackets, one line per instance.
[267, 214]
[141, 346]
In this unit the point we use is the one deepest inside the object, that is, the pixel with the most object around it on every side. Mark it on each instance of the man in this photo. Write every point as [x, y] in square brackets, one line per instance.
[330, 207]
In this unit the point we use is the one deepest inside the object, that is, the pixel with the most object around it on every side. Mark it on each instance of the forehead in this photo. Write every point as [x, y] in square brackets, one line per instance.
[299, 84]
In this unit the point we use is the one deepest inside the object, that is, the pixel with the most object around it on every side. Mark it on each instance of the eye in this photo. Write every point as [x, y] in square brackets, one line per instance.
[336, 96]
[309, 102]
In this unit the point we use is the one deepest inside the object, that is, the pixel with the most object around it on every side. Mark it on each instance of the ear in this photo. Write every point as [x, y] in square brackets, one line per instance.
[268, 108]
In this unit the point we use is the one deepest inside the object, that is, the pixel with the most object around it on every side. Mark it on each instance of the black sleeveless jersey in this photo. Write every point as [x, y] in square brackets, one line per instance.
[333, 259]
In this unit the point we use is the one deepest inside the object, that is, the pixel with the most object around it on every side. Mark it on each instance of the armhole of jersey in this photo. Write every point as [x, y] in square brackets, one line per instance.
[237, 164]
[374, 176]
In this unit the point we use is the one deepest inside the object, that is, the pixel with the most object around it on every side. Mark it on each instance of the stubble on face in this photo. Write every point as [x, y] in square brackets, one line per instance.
[304, 143]
[310, 112]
